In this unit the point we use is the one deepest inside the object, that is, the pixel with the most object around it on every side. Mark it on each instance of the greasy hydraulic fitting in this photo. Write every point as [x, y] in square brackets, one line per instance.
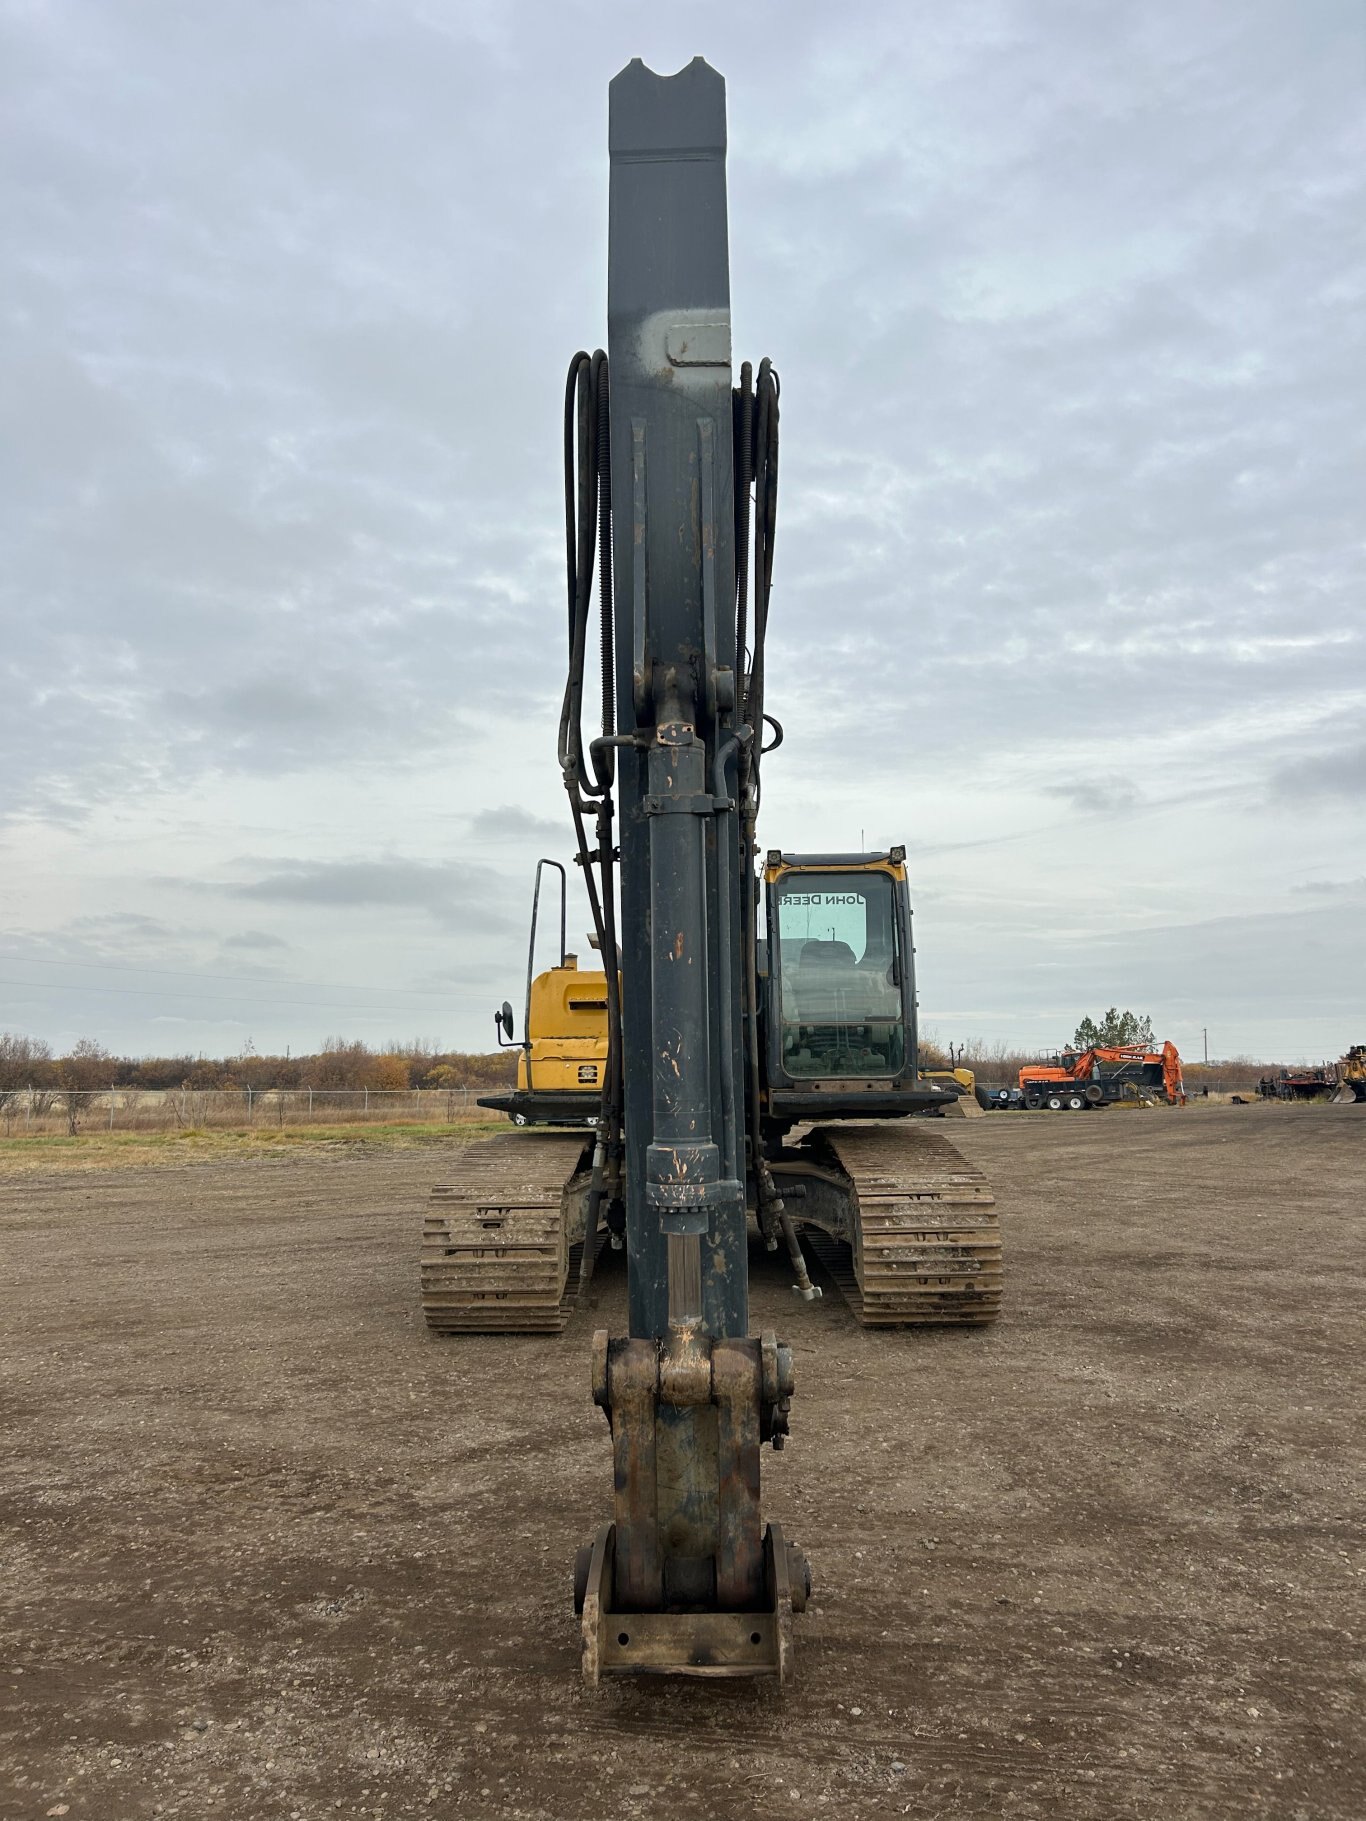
[774, 1219]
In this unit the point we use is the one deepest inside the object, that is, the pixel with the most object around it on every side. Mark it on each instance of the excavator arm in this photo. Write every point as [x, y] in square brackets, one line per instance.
[686, 1577]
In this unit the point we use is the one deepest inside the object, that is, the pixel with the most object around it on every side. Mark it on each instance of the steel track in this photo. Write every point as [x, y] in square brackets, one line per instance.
[927, 1245]
[500, 1249]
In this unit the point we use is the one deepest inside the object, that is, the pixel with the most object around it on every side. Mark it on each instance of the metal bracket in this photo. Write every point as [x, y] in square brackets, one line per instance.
[700, 804]
[756, 1643]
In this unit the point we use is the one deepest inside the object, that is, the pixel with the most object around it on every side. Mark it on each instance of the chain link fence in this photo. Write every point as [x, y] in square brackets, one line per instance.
[36, 1110]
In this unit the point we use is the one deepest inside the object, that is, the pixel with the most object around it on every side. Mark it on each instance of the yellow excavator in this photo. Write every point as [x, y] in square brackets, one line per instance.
[1350, 1074]
[563, 1051]
[838, 1043]
[562, 1054]
[962, 1083]
[760, 1058]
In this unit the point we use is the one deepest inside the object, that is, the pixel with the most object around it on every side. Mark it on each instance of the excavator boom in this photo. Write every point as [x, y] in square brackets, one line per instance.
[686, 1577]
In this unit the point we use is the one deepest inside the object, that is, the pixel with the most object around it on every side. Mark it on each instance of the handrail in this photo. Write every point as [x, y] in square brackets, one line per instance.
[531, 951]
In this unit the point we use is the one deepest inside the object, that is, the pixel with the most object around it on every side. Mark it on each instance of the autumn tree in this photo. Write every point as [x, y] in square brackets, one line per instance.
[83, 1071]
[417, 1055]
[25, 1062]
[344, 1064]
[1114, 1029]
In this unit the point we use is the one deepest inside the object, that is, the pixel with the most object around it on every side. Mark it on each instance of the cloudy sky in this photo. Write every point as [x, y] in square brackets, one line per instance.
[1068, 304]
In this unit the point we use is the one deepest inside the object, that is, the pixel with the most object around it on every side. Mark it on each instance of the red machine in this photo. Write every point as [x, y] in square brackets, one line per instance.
[1099, 1077]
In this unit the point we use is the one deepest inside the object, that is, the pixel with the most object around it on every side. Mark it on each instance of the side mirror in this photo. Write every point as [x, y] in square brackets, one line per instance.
[503, 1019]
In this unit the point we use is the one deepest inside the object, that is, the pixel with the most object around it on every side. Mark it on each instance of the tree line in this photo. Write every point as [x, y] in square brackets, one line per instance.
[341, 1063]
[349, 1064]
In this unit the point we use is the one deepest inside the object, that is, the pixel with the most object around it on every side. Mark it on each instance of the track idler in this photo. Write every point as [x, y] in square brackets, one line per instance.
[688, 1580]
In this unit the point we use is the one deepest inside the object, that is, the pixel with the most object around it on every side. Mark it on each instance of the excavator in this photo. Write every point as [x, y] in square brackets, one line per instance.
[761, 1053]
[1102, 1076]
[1351, 1076]
[562, 1053]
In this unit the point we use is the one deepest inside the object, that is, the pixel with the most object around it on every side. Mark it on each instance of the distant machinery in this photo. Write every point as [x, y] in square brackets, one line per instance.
[1103, 1075]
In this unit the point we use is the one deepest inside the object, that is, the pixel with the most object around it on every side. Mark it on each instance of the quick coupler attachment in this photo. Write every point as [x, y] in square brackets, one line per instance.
[688, 1580]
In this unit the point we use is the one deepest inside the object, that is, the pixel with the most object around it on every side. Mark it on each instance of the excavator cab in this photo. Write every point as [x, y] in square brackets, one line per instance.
[839, 1005]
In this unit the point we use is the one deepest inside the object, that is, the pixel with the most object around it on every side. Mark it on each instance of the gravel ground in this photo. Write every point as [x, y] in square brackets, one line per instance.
[269, 1550]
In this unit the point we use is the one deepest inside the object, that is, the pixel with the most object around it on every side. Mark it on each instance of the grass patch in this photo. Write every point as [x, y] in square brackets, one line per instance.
[57, 1153]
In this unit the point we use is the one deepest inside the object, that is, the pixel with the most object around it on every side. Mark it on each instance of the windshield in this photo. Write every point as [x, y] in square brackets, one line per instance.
[838, 957]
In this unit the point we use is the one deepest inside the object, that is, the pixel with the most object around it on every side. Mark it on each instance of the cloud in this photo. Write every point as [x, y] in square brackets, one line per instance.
[1100, 795]
[1187, 975]
[1321, 775]
[460, 896]
[119, 925]
[1333, 888]
[1067, 303]
[255, 940]
[511, 824]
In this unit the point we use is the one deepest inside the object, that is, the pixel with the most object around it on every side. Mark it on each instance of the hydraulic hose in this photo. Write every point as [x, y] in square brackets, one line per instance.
[587, 521]
[756, 464]
[744, 480]
[607, 769]
[765, 526]
[588, 529]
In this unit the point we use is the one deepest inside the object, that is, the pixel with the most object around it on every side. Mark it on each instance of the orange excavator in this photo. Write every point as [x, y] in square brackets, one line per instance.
[1100, 1076]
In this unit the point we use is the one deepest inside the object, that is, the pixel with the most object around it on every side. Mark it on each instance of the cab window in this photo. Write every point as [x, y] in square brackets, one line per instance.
[839, 968]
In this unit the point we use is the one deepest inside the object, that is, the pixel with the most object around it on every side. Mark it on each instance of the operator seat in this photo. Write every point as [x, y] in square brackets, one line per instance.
[824, 981]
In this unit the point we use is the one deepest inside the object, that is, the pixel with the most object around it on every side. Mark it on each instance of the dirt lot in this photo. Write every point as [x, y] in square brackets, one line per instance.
[270, 1551]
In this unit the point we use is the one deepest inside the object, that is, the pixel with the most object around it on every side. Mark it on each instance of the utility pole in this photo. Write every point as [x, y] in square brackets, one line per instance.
[1205, 1034]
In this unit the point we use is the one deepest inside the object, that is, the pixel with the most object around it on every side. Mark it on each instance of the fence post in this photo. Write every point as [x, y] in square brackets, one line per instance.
[310, 1103]
[367, 1100]
[248, 1106]
[28, 1111]
[111, 1106]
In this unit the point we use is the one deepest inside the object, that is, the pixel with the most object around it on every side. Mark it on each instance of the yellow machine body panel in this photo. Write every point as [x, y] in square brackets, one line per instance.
[567, 1030]
[964, 1077]
[779, 869]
